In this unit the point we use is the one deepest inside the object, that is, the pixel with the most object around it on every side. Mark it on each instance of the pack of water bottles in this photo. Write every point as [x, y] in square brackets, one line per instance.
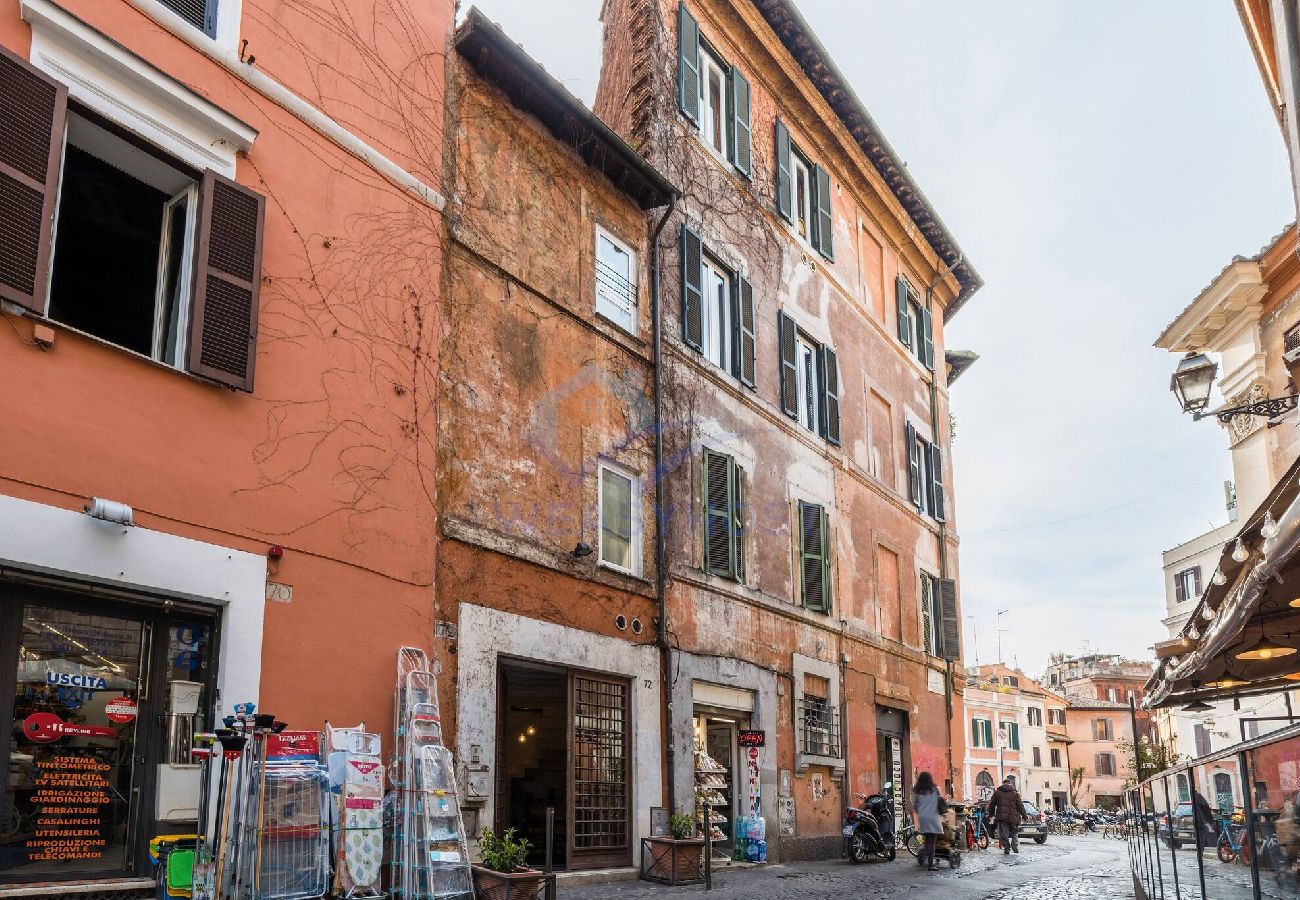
[751, 839]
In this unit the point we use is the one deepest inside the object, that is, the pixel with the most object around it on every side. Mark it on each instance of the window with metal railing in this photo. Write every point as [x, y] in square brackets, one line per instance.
[819, 727]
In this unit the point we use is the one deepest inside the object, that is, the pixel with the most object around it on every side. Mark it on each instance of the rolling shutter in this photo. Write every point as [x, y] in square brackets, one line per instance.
[742, 142]
[830, 406]
[745, 343]
[692, 289]
[926, 350]
[814, 558]
[823, 221]
[937, 508]
[719, 517]
[784, 173]
[904, 318]
[789, 345]
[950, 621]
[228, 275]
[32, 114]
[688, 64]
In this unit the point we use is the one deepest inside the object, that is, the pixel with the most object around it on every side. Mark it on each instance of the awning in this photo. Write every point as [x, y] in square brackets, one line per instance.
[1253, 602]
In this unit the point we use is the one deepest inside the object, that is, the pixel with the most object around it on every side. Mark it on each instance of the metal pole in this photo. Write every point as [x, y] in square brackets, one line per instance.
[1196, 824]
[708, 847]
[1154, 850]
[1248, 803]
[1169, 808]
[550, 838]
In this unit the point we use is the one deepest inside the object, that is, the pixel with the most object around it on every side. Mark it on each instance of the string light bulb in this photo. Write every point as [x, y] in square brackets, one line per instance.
[1269, 529]
[1219, 578]
[1208, 613]
[1239, 552]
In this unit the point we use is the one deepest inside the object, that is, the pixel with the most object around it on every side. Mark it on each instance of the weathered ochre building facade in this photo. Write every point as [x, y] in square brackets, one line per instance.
[807, 488]
[546, 462]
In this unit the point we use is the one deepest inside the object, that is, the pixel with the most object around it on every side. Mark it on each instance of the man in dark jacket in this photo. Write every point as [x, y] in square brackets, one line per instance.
[1007, 811]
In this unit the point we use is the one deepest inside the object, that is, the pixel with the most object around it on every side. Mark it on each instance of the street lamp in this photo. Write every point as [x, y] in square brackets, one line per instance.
[1191, 382]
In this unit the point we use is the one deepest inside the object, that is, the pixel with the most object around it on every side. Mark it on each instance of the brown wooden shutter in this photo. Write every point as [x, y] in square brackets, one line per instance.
[692, 289]
[227, 282]
[789, 346]
[32, 111]
[1180, 588]
[1196, 580]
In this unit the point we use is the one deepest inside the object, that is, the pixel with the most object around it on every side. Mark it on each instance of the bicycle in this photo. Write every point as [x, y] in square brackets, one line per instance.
[1230, 845]
[977, 830]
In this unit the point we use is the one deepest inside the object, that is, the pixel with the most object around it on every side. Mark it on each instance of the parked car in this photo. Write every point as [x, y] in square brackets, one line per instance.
[1034, 823]
[1183, 830]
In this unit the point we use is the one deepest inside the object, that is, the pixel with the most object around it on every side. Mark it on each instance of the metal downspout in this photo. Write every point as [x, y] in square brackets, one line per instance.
[665, 653]
[943, 526]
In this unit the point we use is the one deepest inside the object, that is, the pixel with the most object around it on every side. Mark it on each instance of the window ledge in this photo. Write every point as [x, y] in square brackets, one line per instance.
[129, 90]
[804, 760]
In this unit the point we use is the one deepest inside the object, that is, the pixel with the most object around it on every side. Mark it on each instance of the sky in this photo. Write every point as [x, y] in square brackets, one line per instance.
[1099, 161]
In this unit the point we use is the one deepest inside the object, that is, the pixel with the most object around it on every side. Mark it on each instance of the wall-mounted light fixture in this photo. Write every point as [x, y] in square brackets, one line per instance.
[110, 511]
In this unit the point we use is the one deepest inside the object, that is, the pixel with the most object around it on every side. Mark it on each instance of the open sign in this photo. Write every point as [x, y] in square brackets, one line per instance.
[752, 738]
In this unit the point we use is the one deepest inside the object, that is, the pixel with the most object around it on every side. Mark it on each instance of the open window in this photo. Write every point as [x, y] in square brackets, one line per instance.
[616, 290]
[114, 237]
[713, 102]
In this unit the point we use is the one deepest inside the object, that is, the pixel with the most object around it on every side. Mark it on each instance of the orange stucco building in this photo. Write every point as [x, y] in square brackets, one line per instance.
[219, 265]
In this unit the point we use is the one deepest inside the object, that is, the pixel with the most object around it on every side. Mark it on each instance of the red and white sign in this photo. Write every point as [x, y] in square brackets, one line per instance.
[293, 745]
[120, 709]
[46, 728]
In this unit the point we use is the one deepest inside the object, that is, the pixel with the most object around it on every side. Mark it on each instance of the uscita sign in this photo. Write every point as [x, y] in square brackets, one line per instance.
[67, 679]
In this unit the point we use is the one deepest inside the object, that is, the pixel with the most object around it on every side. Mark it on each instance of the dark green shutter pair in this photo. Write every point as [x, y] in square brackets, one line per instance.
[822, 236]
[924, 474]
[814, 558]
[739, 131]
[904, 299]
[828, 373]
[743, 340]
[724, 544]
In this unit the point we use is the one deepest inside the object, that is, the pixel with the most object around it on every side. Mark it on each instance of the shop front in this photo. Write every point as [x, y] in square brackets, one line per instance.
[726, 761]
[94, 763]
[115, 643]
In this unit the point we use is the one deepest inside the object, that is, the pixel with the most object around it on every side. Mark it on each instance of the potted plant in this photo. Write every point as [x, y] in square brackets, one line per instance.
[504, 873]
[676, 859]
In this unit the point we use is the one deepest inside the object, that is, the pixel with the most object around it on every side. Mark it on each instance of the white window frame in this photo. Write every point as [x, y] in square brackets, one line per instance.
[716, 313]
[711, 65]
[606, 295]
[801, 175]
[635, 530]
[808, 383]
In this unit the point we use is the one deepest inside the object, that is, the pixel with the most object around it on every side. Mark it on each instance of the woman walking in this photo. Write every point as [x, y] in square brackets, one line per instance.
[927, 804]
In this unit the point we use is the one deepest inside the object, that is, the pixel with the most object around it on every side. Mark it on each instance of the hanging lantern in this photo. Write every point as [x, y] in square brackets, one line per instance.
[1198, 706]
[1265, 649]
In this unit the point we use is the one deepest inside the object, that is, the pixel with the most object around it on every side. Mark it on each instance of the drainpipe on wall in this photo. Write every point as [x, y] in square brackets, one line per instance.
[665, 652]
[943, 526]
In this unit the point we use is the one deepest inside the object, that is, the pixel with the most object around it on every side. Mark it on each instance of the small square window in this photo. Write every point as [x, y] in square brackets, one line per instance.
[616, 291]
[619, 520]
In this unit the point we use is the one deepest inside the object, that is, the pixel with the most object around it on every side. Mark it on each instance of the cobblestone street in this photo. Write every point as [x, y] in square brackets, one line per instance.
[1065, 867]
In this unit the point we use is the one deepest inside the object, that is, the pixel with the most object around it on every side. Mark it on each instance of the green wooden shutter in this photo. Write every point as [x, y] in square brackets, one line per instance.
[926, 350]
[927, 616]
[31, 150]
[744, 325]
[812, 556]
[719, 516]
[988, 732]
[951, 621]
[688, 64]
[938, 508]
[692, 289]
[741, 143]
[784, 173]
[914, 485]
[1013, 735]
[789, 346]
[904, 317]
[830, 405]
[823, 218]
[738, 518]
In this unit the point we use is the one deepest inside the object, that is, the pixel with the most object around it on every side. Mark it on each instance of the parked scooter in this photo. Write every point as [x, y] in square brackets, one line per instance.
[869, 830]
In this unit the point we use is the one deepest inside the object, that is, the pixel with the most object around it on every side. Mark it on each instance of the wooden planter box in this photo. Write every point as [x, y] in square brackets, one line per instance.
[522, 884]
[670, 861]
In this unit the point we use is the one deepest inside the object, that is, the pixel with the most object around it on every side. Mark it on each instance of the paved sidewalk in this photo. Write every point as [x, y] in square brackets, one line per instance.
[1087, 866]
